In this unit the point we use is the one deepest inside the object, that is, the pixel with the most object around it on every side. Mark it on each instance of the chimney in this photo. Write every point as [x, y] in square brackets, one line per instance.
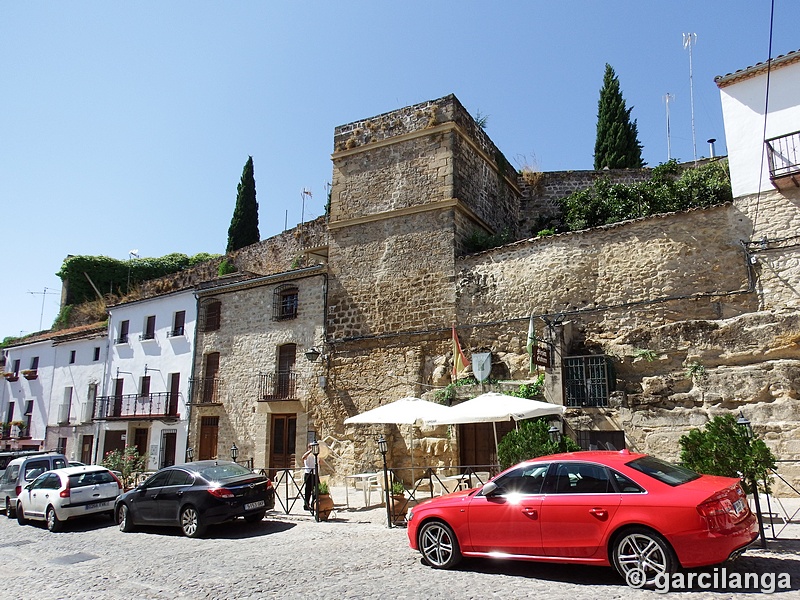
[711, 146]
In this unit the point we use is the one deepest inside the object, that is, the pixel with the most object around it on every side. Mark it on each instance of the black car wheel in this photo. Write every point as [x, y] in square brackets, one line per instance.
[255, 518]
[53, 522]
[9, 510]
[438, 545]
[124, 520]
[640, 555]
[21, 515]
[190, 522]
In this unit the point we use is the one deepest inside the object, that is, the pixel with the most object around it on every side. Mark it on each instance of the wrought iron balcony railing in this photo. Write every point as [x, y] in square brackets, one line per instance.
[205, 390]
[783, 153]
[278, 386]
[135, 406]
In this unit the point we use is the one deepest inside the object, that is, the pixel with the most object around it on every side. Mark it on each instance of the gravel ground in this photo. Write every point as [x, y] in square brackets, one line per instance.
[354, 555]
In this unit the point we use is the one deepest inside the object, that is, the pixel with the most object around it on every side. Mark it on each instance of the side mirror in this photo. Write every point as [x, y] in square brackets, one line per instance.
[489, 488]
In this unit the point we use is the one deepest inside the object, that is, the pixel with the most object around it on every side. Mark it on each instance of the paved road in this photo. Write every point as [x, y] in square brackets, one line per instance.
[290, 556]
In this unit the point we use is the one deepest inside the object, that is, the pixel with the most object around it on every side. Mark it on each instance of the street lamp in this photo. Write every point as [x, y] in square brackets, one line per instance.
[315, 452]
[312, 354]
[189, 454]
[746, 431]
[383, 446]
[234, 452]
[554, 433]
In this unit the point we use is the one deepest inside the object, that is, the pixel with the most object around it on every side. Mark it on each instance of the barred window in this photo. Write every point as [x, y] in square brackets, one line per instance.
[284, 303]
[587, 380]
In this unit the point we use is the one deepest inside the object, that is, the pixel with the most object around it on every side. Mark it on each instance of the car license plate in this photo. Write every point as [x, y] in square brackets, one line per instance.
[253, 505]
[96, 505]
[738, 506]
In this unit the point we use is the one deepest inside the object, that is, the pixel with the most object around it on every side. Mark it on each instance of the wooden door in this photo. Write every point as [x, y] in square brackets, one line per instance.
[476, 442]
[286, 358]
[209, 431]
[114, 440]
[140, 440]
[87, 441]
[210, 377]
[119, 385]
[174, 391]
[169, 439]
[283, 436]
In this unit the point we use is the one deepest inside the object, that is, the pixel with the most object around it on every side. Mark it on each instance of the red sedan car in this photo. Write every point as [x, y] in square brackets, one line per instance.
[640, 514]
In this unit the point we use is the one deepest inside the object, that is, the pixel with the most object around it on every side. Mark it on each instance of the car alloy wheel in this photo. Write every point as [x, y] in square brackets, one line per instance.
[190, 522]
[53, 523]
[124, 518]
[439, 545]
[641, 555]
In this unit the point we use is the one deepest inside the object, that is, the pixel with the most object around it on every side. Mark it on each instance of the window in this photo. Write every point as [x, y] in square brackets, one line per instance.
[34, 363]
[149, 332]
[122, 337]
[96, 355]
[72, 357]
[663, 471]
[178, 323]
[590, 439]
[284, 303]
[28, 417]
[587, 380]
[88, 408]
[16, 367]
[579, 478]
[64, 408]
[524, 480]
[145, 386]
[61, 446]
[210, 314]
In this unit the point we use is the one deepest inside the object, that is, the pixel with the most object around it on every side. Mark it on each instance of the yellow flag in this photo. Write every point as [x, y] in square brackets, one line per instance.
[459, 360]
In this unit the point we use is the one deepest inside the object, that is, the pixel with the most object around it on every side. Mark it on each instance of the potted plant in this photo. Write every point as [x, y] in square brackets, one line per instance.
[5, 430]
[19, 426]
[324, 501]
[399, 504]
[30, 374]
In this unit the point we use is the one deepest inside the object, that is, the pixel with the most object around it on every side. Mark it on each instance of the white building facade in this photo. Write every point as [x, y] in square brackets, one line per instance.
[144, 401]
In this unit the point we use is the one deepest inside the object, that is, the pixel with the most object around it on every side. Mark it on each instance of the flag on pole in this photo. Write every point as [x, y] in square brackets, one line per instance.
[531, 346]
[459, 360]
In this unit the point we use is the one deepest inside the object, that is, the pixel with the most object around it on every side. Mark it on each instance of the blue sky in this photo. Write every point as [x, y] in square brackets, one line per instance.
[126, 125]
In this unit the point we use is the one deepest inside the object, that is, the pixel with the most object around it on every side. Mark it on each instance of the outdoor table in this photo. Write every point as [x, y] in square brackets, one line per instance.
[366, 479]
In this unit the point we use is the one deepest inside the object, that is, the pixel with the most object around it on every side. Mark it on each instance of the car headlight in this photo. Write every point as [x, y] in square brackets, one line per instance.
[410, 515]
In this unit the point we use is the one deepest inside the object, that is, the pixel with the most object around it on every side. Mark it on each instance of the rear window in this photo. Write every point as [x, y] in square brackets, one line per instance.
[663, 471]
[11, 474]
[93, 478]
[221, 472]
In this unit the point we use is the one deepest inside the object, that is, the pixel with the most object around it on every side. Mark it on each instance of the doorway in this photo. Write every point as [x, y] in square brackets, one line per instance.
[209, 432]
[114, 440]
[476, 442]
[283, 437]
[140, 440]
[169, 441]
[87, 441]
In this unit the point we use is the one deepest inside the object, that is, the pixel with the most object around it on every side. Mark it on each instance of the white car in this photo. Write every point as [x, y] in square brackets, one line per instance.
[63, 494]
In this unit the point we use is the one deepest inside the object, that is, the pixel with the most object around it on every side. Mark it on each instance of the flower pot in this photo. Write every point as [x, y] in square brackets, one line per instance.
[324, 506]
[399, 507]
[30, 374]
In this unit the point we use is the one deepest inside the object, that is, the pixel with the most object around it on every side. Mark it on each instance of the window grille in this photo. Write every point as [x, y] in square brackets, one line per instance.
[587, 380]
[285, 303]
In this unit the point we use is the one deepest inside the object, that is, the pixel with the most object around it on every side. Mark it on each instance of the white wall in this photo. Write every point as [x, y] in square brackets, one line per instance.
[38, 390]
[743, 111]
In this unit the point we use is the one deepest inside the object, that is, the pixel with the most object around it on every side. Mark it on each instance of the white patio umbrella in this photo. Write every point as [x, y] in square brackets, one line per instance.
[492, 407]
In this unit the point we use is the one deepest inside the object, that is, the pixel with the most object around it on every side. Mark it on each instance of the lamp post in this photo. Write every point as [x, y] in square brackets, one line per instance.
[234, 452]
[315, 452]
[554, 433]
[383, 446]
[746, 430]
[189, 454]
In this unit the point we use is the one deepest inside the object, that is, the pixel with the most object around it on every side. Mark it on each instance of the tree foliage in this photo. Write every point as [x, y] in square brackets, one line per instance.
[617, 144]
[243, 230]
[722, 449]
[670, 188]
[113, 276]
[127, 462]
[529, 440]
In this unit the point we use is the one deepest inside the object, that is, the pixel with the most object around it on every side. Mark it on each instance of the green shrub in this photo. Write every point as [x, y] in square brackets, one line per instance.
[722, 449]
[127, 462]
[529, 440]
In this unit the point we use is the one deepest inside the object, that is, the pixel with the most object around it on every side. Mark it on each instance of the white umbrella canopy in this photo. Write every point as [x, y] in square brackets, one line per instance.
[491, 407]
[405, 411]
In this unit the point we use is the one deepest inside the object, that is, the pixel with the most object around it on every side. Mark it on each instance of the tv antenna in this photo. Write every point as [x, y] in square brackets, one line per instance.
[667, 99]
[44, 294]
[689, 40]
[303, 194]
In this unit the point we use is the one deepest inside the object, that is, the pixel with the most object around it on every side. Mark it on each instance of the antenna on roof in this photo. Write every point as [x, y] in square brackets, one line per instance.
[689, 40]
[667, 99]
[44, 295]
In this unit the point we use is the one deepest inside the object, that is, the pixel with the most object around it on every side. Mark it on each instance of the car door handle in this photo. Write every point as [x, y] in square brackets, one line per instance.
[179, 494]
[600, 513]
[530, 512]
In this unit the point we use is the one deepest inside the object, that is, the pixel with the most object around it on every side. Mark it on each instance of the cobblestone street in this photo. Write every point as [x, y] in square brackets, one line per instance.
[290, 556]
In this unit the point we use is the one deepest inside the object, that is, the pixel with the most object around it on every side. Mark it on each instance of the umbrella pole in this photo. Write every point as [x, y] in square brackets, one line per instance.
[494, 428]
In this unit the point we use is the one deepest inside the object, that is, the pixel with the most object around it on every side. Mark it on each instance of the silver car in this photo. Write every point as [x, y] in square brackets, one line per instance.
[62, 494]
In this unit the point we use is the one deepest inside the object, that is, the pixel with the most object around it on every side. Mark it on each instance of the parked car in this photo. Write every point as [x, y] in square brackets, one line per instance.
[632, 511]
[195, 495]
[22, 471]
[62, 494]
[7, 456]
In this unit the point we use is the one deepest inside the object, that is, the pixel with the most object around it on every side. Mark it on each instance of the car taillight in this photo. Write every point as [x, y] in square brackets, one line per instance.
[65, 492]
[720, 512]
[220, 492]
[18, 490]
[269, 483]
[119, 483]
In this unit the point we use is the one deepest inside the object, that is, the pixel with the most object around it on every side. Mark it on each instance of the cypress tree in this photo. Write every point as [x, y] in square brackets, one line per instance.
[617, 145]
[243, 230]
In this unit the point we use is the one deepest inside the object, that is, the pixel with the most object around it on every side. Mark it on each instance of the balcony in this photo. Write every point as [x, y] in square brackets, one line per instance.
[205, 390]
[278, 386]
[783, 153]
[135, 406]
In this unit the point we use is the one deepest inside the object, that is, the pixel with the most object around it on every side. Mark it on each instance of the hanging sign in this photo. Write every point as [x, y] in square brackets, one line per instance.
[481, 365]
[541, 356]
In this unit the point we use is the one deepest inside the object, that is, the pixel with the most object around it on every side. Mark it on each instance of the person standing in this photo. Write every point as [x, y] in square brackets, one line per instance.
[309, 479]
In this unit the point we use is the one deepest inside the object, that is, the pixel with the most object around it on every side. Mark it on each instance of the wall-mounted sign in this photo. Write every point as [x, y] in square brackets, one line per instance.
[481, 365]
[541, 356]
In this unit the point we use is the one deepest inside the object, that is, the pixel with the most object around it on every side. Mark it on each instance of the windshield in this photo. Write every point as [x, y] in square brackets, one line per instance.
[662, 470]
[222, 472]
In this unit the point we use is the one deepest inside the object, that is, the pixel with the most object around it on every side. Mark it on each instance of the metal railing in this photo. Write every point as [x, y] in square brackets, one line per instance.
[135, 406]
[205, 390]
[288, 484]
[784, 155]
[278, 386]
[779, 510]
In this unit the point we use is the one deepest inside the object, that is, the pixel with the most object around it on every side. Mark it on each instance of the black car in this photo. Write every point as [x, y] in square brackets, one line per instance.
[195, 495]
